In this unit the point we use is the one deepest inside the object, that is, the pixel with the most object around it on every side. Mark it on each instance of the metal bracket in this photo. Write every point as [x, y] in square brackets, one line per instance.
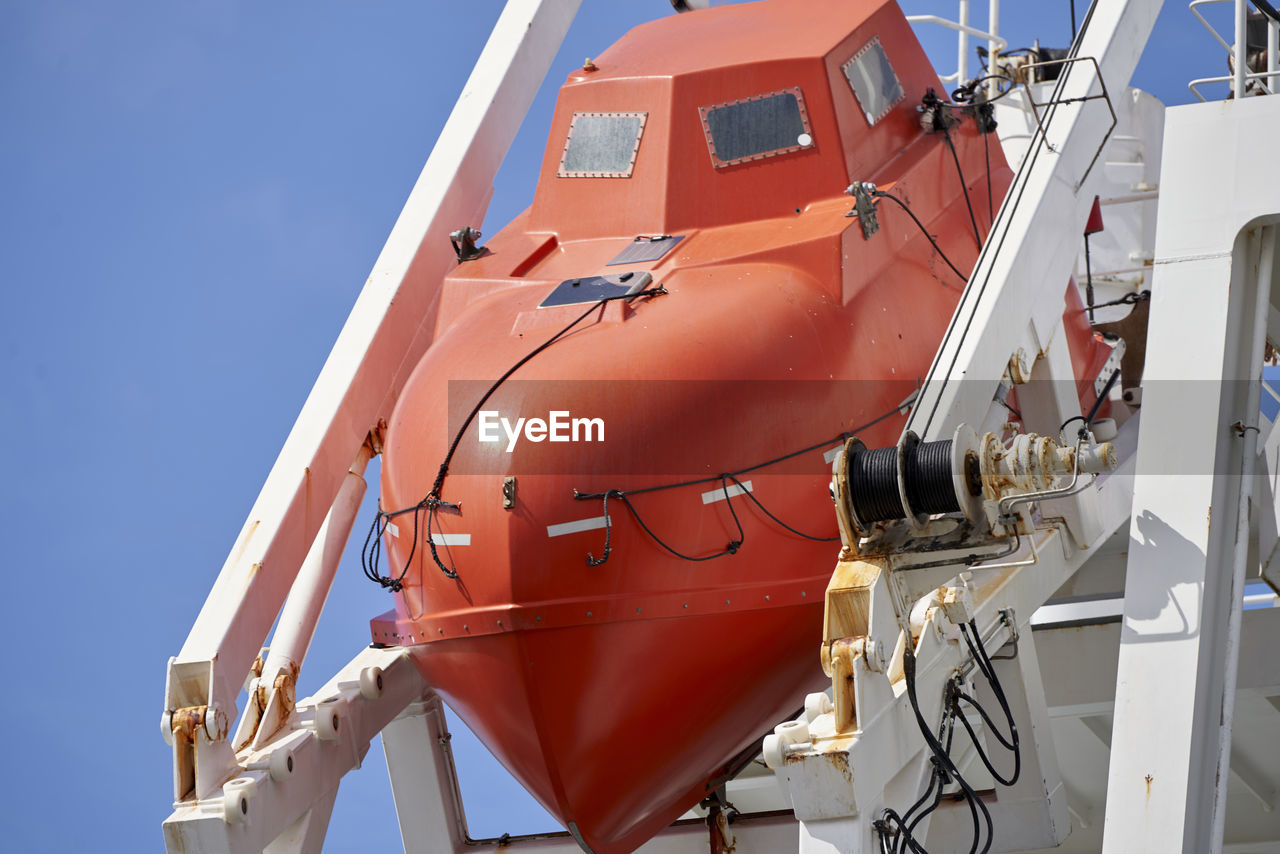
[864, 207]
[464, 244]
[1035, 107]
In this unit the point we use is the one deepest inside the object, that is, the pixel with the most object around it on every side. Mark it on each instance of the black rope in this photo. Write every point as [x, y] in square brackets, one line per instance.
[372, 552]
[973, 220]
[1088, 277]
[584, 496]
[986, 150]
[732, 548]
[765, 511]
[885, 194]
[592, 560]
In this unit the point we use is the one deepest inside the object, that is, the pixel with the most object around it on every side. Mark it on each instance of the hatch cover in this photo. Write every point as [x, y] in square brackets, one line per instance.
[644, 249]
[586, 289]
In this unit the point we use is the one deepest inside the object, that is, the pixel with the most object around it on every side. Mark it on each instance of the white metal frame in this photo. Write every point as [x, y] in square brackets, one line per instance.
[1190, 537]
[389, 328]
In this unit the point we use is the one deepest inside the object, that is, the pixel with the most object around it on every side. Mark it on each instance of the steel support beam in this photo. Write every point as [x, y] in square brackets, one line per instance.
[1177, 667]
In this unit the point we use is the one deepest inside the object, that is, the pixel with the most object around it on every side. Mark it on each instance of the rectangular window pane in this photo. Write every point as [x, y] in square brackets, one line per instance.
[873, 82]
[601, 145]
[752, 128]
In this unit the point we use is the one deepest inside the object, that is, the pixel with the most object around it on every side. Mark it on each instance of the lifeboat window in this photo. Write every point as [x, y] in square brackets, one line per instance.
[756, 127]
[873, 81]
[601, 145]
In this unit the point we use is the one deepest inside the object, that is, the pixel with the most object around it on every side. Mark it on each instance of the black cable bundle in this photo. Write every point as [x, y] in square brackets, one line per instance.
[371, 554]
[896, 832]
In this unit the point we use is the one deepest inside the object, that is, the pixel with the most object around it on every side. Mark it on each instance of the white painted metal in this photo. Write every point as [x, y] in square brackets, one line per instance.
[1171, 681]
[1273, 54]
[288, 805]
[1262, 247]
[388, 329]
[1028, 257]
[301, 612]
[886, 755]
[994, 45]
[1240, 50]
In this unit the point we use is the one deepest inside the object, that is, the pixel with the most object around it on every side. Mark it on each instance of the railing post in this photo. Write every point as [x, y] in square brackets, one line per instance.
[962, 66]
[1241, 48]
[1273, 54]
[993, 46]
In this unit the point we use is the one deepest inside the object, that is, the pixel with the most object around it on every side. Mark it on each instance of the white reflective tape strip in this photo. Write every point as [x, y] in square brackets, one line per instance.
[830, 456]
[718, 494]
[579, 525]
[451, 539]
[392, 529]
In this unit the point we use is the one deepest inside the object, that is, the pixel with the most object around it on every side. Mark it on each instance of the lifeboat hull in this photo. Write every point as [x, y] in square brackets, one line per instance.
[619, 617]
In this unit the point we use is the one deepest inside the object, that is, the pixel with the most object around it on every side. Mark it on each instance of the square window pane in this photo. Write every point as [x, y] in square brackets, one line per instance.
[757, 127]
[873, 81]
[602, 145]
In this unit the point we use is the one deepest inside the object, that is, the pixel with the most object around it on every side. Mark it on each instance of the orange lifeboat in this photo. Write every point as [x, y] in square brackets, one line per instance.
[623, 591]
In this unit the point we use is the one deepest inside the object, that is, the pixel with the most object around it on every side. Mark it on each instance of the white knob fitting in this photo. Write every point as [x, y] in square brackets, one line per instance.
[330, 717]
[236, 796]
[816, 705]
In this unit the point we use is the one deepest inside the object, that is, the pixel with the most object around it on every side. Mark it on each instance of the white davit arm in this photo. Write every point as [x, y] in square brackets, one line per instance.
[389, 329]
[1028, 256]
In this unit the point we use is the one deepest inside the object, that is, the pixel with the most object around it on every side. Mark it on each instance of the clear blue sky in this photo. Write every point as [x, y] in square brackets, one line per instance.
[192, 195]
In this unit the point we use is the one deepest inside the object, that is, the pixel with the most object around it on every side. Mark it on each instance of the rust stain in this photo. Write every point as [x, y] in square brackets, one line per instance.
[243, 545]
[1149, 779]
[306, 497]
[840, 761]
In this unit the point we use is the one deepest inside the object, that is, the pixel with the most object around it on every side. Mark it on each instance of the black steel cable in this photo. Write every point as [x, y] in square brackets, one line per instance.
[930, 486]
[873, 481]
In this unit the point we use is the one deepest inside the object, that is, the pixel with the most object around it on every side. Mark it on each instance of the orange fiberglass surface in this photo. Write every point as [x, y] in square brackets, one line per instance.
[622, 592]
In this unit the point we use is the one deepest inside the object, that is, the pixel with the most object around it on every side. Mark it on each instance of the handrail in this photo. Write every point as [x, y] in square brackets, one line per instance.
[1239, 51]
[974, 31]
[995, 44]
